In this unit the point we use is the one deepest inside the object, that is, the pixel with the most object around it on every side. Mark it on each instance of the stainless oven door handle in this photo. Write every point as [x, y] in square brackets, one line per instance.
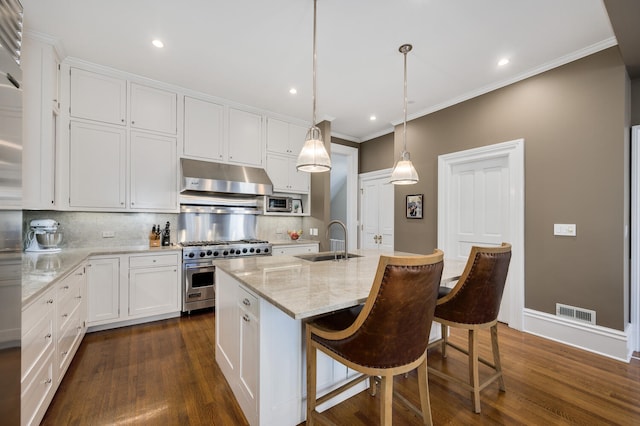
[199, 269]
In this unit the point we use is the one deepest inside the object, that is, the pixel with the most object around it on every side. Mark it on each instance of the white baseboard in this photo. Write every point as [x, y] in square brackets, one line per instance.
[601, 340]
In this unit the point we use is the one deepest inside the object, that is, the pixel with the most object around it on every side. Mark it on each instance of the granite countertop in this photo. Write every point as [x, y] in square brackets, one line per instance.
[304, 289]
[42, 269]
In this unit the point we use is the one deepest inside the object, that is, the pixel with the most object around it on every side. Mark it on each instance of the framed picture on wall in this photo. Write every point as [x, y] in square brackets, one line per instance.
[296, 205]
[414, 206]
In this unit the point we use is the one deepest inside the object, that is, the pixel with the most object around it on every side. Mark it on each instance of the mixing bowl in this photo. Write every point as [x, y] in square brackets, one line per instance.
[49, 239]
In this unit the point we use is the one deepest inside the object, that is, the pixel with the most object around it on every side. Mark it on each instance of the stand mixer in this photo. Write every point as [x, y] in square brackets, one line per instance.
[44, 236]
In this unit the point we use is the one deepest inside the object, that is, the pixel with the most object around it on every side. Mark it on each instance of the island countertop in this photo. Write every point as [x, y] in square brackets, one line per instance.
[303, 289]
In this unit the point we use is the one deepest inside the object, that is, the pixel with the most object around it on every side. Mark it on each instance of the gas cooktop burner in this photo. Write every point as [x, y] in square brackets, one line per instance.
[205, 250]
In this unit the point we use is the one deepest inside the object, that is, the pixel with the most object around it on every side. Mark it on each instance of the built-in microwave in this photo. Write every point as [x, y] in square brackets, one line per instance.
[278, 204]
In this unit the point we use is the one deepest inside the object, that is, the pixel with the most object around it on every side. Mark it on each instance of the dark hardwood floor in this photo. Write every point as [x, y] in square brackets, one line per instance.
[164, 373]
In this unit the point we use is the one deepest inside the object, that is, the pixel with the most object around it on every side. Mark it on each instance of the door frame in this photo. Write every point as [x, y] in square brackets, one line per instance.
[352, 190]
[635, 239]
[363, 177]
[514, 151]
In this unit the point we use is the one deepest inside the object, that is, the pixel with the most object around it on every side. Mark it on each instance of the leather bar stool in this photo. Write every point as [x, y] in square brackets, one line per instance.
[388, 336]
[473, 304]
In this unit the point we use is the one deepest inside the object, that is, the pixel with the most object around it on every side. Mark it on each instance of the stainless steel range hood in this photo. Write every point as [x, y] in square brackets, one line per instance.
[201, 177]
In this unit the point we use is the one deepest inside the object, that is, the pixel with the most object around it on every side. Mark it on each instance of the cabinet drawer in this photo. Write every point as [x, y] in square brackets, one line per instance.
[40, 308]
[155, 260]
[36, 393]
[37, 342]
[67, 339]
[66, 309]
[248, 301]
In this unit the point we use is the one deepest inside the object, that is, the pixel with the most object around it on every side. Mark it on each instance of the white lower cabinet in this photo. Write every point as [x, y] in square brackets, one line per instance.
[103, 290]
[133, 288]
[52, 328]
[293, 249]
[260, 351]
[154, 286]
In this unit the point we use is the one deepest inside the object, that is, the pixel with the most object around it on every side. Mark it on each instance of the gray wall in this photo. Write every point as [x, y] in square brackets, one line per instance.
[572, 119]
[376, 154]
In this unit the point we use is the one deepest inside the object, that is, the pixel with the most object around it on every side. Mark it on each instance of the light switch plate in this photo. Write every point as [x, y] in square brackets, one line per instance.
[108, 234]
[564, 229]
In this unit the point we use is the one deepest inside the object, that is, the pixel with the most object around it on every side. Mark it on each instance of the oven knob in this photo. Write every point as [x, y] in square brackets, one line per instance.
[202, 254]
[244, 250]
[208, 252]
[252, 250]
[225, 252]
[257, 250]
[238, 251]
[191, 254]
[215, 253]
[266, 249]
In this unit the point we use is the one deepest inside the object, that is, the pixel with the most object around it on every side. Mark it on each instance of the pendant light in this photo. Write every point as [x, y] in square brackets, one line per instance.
[404, 173]
[314, 157]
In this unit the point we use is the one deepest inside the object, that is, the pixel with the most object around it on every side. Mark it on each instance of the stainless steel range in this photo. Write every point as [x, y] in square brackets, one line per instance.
[199, 272]
[218, 209]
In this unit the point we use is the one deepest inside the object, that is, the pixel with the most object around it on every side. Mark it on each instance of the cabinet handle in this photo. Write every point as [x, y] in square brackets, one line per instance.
[245, 317]
[79, 328]
[79, 297]
[66, 287]
[65, 353]
[122, 119]
[133, 122]
[50, 301]
[65, 315]
[246, 302]
[47, 336]
[47, 382]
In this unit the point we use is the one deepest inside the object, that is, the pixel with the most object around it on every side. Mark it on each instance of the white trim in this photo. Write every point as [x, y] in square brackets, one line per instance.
[352, 190]
[514, 151]
[376, 174]
[635, 236]
[593, 338]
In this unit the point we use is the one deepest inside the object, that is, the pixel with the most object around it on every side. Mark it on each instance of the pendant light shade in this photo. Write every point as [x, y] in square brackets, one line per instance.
[403, 172]
[314, 157]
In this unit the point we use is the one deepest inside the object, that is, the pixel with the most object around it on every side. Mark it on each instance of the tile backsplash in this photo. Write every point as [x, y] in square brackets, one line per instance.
[85, 229]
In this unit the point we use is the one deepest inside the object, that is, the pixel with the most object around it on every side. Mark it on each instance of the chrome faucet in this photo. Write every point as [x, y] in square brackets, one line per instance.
[344, 228]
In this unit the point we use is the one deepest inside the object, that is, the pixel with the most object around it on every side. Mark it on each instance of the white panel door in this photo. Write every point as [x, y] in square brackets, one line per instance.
[481, 202]
[376, 215]
[479, 209]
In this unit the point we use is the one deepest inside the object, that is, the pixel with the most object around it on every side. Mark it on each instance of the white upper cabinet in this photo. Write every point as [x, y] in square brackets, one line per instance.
[153, 173]
[153, 109]
[98, 97]
[97, 166]
[41, 109]
[245, 138]
[284, 175]
[203, 129]
[285, 138]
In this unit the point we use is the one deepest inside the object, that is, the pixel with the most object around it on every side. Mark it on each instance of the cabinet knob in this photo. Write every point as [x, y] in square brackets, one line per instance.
[66, 287]
[245, 317]
[50, 301]
[246, 302]
[65, 353]
[133, 122]
[122, 119]
[47, 336]
[47, 382]
[65, 315]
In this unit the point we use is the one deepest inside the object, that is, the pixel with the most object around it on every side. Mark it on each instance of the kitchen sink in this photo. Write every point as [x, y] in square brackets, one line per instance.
[325, 255]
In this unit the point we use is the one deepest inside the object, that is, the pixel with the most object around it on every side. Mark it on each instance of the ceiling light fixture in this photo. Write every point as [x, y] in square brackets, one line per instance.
[502, 62]
[293, 91]
[158, 43]
[372, 118]
[314, 157]
[404, 173]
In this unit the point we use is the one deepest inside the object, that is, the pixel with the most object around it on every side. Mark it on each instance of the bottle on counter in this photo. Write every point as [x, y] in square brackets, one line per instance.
[166, 236]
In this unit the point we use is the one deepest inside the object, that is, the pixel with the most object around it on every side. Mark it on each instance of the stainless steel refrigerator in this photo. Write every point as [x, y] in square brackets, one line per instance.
[10, 210]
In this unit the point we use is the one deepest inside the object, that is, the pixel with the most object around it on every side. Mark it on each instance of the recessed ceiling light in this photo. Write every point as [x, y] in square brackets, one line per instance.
[157, 43]
[373, 118]
[293, 91]
[502, 62]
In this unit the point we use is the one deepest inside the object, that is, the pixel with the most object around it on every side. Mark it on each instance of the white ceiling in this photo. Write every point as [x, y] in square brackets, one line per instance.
[252, 51]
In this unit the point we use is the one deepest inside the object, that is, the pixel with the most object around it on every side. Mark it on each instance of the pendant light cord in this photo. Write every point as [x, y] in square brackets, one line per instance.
[404, 127]
[315, 5]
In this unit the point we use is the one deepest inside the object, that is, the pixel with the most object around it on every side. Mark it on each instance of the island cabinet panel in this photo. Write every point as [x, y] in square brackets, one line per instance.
[260, 351]
[293, 249]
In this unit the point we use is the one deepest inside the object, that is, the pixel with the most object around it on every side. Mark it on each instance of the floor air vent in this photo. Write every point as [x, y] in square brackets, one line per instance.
[578, 314]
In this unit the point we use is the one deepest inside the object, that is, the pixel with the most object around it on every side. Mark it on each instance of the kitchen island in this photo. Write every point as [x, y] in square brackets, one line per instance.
[261, 306]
